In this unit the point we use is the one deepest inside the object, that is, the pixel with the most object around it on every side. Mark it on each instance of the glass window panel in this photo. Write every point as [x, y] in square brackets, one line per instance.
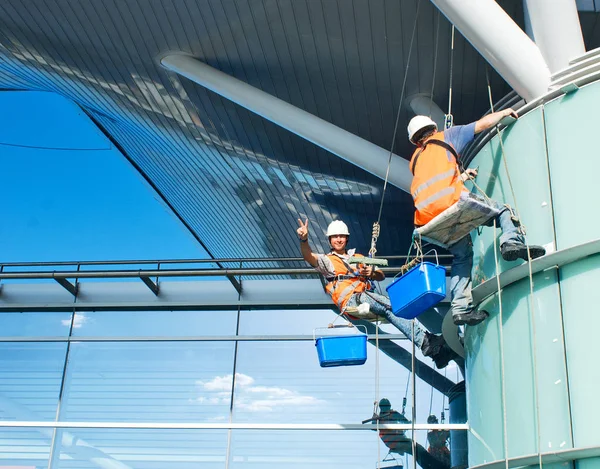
[25, 448]
[149, 382]
[304, 449]
[30, 379]
[154, 323]
[35, 324]
[140, 449]
[284, 322]
[293, 322]
[283, 382]
[433, 400]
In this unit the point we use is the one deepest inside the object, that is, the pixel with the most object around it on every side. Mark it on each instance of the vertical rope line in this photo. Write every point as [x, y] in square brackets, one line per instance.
[531, 290]
[414, 398]
[451, 70]
[377, 389]
[435, 59]
[387, 172]
[501, 331]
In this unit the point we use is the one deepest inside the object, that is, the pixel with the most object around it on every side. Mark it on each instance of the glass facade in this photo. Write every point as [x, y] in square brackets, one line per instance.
[210, 389]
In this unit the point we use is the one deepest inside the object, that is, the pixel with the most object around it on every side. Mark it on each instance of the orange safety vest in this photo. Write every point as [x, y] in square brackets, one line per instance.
[436, 184]
[345, 283]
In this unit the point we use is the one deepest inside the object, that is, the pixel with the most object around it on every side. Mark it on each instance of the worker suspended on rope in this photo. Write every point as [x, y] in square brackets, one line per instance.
[438, 184]
[398, 442]
[350, 288]
[438, 442]
[395, 440]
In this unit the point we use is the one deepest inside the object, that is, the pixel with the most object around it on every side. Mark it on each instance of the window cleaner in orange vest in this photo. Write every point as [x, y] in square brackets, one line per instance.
[438, 184]
[395, 440]
[349, 286]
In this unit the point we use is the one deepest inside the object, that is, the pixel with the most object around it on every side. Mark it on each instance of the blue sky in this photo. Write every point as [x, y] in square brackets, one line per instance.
[68, 194]
[85, 204]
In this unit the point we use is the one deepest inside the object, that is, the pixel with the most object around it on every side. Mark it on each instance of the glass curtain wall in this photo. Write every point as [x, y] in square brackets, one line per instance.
[207, 389]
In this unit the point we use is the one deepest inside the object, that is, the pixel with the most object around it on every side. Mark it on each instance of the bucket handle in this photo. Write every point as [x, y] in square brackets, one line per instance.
[437, 260]
[335, 327]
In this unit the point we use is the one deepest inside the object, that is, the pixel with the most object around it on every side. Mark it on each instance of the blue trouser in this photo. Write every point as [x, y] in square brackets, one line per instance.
[462, 264]
[381, 306]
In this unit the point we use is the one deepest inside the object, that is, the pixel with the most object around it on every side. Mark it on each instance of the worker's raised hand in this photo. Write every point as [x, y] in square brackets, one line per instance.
[471, 173]
[511, 112]
[302, 229]
[365, 270]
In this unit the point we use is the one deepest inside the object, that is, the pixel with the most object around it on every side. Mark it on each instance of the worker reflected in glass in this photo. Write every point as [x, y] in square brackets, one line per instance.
[438, 184]
[351, 288]
[438, 442]
[398, 442]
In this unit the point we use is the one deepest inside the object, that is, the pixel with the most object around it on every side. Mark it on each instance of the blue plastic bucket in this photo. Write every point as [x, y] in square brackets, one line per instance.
[417, 290]
[342, 350]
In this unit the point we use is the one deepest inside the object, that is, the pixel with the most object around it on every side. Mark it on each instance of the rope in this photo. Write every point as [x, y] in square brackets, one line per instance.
[377, 389]
[449, 118]
[387, 172]
[435, 57]
[414, 398]
[531, 291]
[501, 330]
[376, 225]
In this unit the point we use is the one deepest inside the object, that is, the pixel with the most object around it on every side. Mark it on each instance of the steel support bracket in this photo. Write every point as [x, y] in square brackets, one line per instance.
[72, 289]
[150, 284]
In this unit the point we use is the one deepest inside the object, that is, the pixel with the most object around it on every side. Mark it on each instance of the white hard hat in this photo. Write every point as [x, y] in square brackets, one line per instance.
[419, 123]
[337, 227]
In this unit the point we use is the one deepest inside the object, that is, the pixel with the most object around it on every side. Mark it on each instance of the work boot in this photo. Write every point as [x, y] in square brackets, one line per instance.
[473, 317]
[512, 251]
[432, 344]
[443, 357]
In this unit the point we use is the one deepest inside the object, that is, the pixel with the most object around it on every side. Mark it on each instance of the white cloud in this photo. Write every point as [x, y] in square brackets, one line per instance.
[249, 397]
[80, 320]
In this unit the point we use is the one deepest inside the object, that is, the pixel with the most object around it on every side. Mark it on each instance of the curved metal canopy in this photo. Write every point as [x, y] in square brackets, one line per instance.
[237, 181]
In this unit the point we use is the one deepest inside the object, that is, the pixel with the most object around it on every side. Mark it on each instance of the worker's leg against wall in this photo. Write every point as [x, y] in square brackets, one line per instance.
[460, 276]
[510, 232]
[381, 306]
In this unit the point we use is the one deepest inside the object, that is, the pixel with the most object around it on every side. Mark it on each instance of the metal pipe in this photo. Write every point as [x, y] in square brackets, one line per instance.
[554, 27]
[165, 273]
[234, 426]
[189, 261]
[501, 42]
[340, 142]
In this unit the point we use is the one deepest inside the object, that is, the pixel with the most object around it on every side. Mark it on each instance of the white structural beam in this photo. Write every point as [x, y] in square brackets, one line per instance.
[501, 42]
[346, 145]
[423, 104]
[215, 294]
[554, 27]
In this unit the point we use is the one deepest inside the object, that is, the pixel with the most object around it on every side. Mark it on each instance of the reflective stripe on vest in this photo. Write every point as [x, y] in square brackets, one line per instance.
[343, 286]
[436, 184]
[433, 180]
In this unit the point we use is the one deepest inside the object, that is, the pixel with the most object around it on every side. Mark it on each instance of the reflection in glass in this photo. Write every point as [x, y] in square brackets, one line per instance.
[149, 382]
[282, 382]
[35, 324]
[286, 322]
[25, 448]
[154, 323]
[303, 449]
[431, 447]
[140, 449]
[30, 379]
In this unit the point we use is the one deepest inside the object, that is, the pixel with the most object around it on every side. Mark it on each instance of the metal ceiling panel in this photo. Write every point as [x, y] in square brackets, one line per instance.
[236, 180]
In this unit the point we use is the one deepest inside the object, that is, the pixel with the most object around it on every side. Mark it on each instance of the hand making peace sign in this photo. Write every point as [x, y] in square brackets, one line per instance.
[303, 229]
